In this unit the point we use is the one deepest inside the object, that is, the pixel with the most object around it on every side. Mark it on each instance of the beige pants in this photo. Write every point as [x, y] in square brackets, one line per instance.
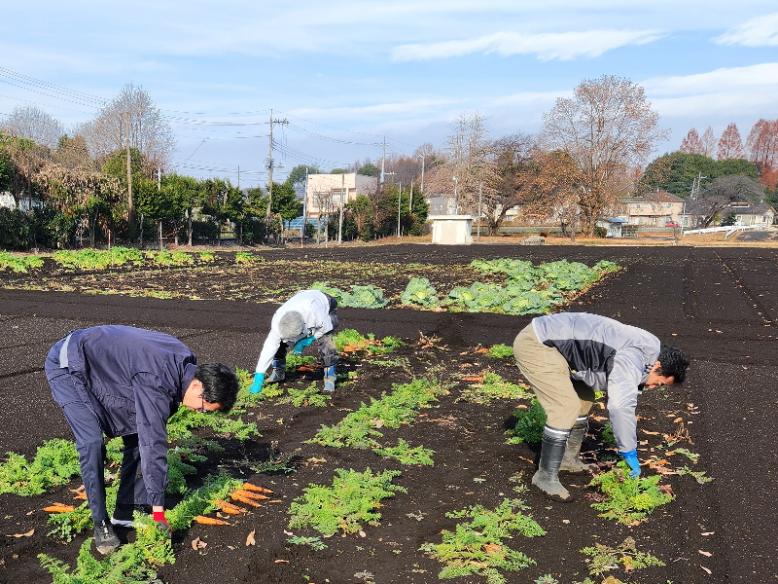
[548, 373]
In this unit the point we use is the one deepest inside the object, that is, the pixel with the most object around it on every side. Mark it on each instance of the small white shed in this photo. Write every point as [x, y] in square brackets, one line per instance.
[452, 229]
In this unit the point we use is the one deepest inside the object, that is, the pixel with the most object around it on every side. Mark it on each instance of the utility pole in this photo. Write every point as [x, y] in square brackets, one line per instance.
[305, 209]
[456, 196]
[383, 163]
[410, 200]
[239, 177]
[342, 198]
[480, 194]
[159, 179]
[130, 203]
[399, 202]
[423, 158]
[270, 164]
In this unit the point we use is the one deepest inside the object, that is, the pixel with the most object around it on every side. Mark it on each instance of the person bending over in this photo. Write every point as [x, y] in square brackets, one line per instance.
[566, 357]
[123, 381]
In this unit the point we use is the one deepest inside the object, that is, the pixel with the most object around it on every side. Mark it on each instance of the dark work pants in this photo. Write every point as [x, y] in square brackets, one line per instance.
[69, 392]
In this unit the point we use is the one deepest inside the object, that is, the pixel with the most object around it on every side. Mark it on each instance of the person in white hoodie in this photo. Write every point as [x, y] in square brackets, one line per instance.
[308, 317]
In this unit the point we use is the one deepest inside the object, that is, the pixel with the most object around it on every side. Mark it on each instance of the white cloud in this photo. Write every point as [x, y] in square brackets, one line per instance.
[547, 46]
[727, 92]
[761, 31]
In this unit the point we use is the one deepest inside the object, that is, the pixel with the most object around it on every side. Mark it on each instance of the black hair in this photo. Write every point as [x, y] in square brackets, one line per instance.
[220, 384]
[673, 362]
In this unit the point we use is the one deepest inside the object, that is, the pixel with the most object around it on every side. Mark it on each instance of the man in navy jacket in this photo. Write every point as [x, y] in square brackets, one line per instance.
[125, 381]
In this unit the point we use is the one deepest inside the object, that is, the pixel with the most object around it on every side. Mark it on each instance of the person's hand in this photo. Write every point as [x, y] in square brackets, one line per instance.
[161, 521]
[300, 345]
[631, 458]
[259, 381]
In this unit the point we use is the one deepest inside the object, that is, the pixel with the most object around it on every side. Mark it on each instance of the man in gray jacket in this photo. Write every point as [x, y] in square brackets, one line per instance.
[123, 381]
[565, 357]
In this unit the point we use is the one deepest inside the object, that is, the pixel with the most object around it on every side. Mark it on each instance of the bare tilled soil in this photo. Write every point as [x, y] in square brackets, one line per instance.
[720, 305]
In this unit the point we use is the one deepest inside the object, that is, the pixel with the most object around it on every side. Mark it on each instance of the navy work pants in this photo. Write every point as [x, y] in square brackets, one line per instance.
[71, 395]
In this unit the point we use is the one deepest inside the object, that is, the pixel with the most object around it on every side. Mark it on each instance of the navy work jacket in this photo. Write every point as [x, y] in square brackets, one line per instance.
[134, 379]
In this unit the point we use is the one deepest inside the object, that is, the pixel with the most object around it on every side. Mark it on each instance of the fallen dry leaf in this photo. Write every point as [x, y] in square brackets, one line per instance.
[281, 562]
[678, 420]
[707, 533]
[25, 534]
[667, 489]
[708, 571]
[492, 548]
[704, 553]
[362, 533]
[250, 540]
[198, 544]
[650, 433]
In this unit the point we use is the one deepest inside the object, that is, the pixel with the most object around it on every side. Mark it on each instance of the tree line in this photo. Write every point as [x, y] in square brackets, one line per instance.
[103, 182]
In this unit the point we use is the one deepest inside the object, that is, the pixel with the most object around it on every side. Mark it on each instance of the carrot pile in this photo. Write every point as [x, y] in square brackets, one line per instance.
[247, 493]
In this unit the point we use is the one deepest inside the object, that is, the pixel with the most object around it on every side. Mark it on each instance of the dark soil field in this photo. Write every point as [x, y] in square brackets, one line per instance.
[719, 305]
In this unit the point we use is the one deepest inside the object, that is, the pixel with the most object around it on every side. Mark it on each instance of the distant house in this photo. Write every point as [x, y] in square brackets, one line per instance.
[325, 193]
[655, 209]
[709, 211]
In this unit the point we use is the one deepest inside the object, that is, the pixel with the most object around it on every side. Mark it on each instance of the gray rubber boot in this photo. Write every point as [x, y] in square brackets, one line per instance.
[571, 461]
[279, 371]
[546, 479]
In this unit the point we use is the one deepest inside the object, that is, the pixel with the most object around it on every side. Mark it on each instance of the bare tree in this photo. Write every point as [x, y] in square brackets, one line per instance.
[131, 111]
[35, 124]
[607, 128]
[730, 143]
[708, 142]
[692, 143]
[762, 144]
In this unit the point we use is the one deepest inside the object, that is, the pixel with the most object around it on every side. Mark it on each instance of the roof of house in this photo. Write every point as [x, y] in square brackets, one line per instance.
[702, 207]
[658, 196]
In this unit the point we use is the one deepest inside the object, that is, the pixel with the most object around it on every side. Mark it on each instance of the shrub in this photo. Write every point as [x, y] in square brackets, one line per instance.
[602, 559]
[501, 351]
[353, 500]
[478, 547]
[19, 264]
[54, 464]
[627, 500]
[493, 388]
[529, 425]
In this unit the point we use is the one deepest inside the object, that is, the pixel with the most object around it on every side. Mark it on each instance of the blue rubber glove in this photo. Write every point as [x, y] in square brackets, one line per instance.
[631, 458]
[302, 344]
[259, 381]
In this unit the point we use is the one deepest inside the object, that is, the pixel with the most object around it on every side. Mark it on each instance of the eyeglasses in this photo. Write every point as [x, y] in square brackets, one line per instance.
[202, 404]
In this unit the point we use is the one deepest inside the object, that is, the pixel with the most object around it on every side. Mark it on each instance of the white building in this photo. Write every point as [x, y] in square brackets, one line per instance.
[325, 193]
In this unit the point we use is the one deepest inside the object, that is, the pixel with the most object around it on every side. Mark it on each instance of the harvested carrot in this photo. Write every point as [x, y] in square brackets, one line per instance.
[244, 500]
[203, 520]
[80, 496]
[250, 495]
[59, 508]
[229, 508]
[306, 369]
[256, 489]
[473, 378]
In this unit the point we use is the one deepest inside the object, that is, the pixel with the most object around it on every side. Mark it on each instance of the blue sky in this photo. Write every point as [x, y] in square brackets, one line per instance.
[347, 73]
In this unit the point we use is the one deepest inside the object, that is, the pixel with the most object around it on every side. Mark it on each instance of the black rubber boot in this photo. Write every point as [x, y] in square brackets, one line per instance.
[571, 461]
[105, 538]
[546, 479]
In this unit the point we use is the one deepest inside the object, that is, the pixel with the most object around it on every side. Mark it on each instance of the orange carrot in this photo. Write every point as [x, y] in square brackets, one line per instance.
[59, 508]
[473, 378]
[255, 488]
[244, 500]
[229, 508]
[250, 495]
[306, 369]
[203, 520]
